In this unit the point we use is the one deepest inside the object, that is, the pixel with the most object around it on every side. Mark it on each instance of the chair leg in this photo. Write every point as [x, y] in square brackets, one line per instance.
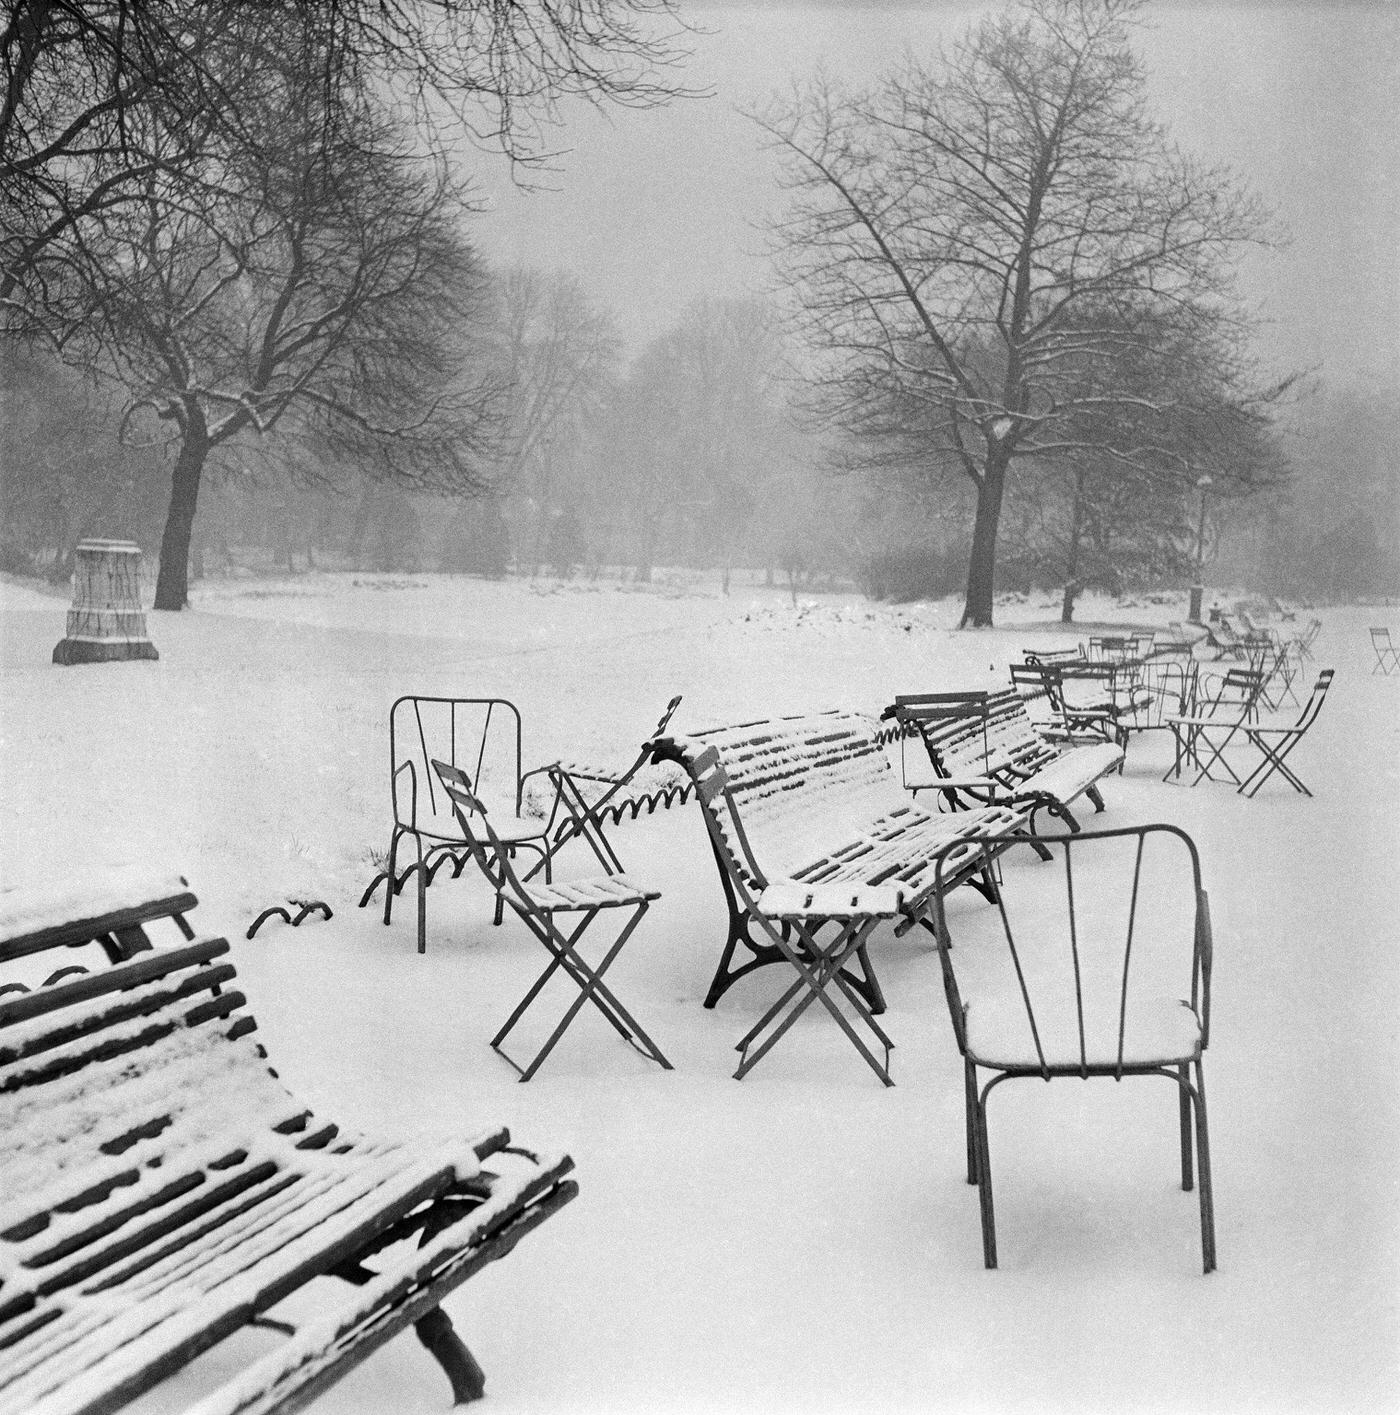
[389, 873]
[984, 1181]
[1272, 762]
[969, 1117]
[1203, 1164]
[1183, 1096]
[589, 982]
[422, 897]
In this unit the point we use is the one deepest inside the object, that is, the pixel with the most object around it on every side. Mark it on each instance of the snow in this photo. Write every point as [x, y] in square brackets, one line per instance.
[803, 1240]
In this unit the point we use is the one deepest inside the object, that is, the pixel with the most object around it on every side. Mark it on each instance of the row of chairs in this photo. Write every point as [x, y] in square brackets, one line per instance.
[1226, 714]
[1066, 1008]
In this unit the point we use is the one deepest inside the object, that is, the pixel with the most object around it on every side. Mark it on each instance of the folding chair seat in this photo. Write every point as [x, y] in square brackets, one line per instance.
[1275, 743]
[1387, 653]
[1223, 706]
[1098, 968]
[542, 908]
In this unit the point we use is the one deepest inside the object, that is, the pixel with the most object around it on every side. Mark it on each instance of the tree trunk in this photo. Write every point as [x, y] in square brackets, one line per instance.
[982, 563]
[172, 583]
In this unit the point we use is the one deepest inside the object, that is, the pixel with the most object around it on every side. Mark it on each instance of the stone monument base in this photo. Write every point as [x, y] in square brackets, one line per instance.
[68, 651]
[105, 623]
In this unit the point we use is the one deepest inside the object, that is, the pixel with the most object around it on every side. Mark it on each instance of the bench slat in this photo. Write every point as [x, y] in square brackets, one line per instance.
[159, 1186]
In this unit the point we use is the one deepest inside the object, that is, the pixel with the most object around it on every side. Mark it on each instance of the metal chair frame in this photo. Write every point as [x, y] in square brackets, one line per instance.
[1184, 1070]
[1038, 678]
[1280, 669]
[409, 756]
[1275, 743]
[1387, 653]
[539, 909]
[1227, 708]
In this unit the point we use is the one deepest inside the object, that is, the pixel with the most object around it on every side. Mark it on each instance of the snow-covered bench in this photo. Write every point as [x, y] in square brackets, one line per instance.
[983, 749]
[160, 1189]
[810, 826]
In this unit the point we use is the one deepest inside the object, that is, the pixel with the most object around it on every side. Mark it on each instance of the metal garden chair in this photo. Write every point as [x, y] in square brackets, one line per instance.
[541, 907]
[1301, 643]
[1100, 968]
[1387, 653]
[1223, 707]
[1277, 742]
[483, 735]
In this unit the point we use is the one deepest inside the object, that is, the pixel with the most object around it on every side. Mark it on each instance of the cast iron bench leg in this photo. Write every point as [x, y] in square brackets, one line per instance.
[450, 1351]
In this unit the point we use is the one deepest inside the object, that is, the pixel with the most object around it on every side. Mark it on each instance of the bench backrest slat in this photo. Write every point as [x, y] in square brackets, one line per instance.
[797, 784]
[94, 1073]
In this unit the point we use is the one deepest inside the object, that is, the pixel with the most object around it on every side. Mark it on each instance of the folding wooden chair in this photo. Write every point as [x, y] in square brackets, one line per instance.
[1387, 653]
[1222, 709]
[541, 906]
[1099, 968]
[1277, 742]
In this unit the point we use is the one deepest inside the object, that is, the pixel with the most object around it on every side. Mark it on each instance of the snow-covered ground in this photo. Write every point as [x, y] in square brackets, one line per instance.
[802, 1240]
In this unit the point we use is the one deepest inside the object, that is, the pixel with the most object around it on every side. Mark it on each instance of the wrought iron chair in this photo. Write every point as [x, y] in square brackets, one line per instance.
[1277, 742]
[540, 907]
[1387, 653]
[1100, 968]
[482, 734]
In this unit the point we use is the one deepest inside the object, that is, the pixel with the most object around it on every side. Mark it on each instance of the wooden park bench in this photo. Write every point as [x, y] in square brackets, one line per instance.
[160, 1189]
[983, 749]
[812, 831]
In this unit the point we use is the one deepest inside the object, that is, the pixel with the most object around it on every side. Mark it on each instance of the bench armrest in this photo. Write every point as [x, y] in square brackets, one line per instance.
[396, 1296]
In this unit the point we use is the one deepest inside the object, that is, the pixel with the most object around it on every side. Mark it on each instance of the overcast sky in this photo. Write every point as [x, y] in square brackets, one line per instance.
[655, 208]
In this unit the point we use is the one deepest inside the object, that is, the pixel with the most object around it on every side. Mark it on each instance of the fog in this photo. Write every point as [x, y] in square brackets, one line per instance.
[653, 209]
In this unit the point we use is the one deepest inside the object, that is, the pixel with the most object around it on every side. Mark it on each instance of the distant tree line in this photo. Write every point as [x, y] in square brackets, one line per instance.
[242, 322]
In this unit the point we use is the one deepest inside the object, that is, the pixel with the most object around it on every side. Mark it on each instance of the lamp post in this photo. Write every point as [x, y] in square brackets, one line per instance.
[1203, 485]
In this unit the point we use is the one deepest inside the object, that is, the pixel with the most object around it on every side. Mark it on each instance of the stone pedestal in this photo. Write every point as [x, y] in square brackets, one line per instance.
[106, 621]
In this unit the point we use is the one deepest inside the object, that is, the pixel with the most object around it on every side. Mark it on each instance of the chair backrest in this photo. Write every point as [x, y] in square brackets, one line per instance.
[480, 735]
[1380, 638]
[1072, 967]
[1053, 655]
[1313, 705]
[1236, 692]
[1037, 683]
[1112, 646]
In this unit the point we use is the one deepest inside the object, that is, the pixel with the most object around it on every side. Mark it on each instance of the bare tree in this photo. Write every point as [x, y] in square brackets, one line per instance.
[706, 423]
[956, 235]
[559, 354]
[320, 287]
[81, 77]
